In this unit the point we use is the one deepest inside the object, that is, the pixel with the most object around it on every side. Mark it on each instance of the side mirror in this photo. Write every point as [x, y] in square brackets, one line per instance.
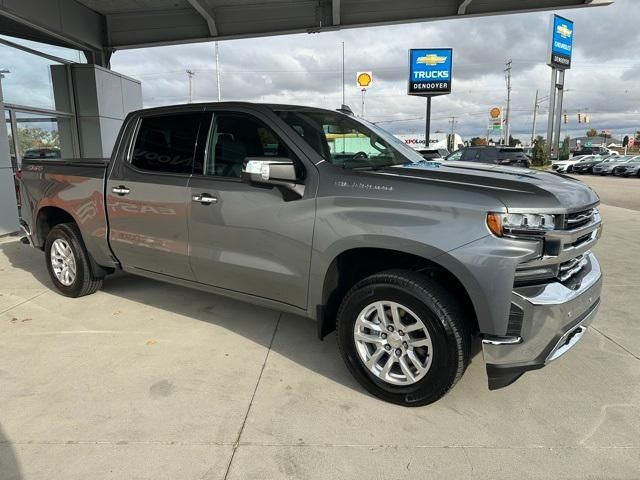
[273, 171]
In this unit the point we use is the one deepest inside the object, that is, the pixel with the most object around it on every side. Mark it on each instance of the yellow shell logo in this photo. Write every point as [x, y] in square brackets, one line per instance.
[431, 59]
[494, 112]
[564, 31]
[364, 79]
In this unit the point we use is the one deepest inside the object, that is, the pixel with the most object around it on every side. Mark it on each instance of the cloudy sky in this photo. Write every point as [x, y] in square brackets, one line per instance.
[306, 69]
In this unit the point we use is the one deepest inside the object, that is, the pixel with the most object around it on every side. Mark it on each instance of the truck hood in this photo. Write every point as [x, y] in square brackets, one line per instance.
[517, 188]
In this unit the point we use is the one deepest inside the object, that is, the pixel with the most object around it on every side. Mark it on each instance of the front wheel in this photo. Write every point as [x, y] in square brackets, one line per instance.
[403, 337]
[68, 262]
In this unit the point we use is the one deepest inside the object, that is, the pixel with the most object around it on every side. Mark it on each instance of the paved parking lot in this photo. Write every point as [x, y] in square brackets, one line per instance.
[148, 380]
[616, 191]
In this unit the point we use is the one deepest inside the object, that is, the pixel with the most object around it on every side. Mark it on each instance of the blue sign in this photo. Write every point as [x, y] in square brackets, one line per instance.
[561, 42]
[430, 71]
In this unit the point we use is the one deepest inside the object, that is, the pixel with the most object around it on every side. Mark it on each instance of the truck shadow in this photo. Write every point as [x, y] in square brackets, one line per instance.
[296, 338]
[9, 466]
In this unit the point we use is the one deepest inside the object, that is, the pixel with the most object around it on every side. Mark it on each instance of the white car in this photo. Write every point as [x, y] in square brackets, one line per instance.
[565, 166]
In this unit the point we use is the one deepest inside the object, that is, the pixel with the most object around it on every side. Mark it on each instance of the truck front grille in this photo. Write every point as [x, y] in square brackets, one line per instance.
[578, 219]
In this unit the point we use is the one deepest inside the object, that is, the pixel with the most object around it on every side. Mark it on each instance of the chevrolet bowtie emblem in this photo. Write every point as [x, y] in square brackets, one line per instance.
[564, 31]
[431, 59]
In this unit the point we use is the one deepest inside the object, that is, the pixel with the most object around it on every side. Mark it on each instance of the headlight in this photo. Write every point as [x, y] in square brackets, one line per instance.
[520, 224]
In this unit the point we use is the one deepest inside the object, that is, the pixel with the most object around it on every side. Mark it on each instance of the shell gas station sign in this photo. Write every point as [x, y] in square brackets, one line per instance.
[364, 79]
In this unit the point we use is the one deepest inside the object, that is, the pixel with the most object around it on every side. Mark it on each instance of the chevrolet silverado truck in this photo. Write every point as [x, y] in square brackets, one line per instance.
[325, 215]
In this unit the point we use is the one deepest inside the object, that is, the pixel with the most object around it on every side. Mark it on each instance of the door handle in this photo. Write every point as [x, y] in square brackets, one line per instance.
[120, 190]
[204, 199]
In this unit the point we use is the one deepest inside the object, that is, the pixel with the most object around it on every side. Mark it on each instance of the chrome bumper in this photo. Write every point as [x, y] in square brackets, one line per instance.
[555, 316]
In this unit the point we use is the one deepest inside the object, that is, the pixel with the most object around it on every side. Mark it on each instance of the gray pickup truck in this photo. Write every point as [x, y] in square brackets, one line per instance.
[325, 215]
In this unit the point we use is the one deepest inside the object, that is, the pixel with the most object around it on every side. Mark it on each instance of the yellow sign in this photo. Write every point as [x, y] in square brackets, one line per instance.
[364, 79]
[494, 112]
[564, 31]
[431, 59]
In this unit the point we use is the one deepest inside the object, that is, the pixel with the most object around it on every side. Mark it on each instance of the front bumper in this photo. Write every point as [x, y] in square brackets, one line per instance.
[554, 317]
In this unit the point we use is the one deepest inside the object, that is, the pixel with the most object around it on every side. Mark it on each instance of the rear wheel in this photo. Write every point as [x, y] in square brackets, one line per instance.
[68, 262]
[403, 337]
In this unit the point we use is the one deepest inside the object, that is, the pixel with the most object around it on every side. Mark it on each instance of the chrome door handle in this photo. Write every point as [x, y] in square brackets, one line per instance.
[120, 190]
[204, 199]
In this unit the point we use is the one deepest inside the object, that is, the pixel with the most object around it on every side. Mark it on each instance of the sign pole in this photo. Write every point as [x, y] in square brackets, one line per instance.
[556, 134]
[427, 127]
[552, 110]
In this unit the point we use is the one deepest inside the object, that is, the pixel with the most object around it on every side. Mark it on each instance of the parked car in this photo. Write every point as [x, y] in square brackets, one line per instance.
[499, 155]
[606, 168]
[604, 151]
[629, 169]
[434, 154]
[48, 152]
[324, 215]
[587, 166]
[566, 166]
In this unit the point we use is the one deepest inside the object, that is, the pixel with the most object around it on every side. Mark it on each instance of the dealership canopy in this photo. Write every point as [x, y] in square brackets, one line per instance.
[101, 26]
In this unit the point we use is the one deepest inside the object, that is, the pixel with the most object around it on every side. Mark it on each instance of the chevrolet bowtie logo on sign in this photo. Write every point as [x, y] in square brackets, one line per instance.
[430, 71]
[431, 59]
[561, 47]
[564, 31]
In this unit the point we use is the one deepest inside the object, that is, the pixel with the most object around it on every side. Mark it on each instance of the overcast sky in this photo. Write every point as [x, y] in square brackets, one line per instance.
[306, 69]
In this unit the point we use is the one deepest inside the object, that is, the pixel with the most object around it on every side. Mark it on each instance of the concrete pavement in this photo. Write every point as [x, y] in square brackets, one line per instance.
[148, 380]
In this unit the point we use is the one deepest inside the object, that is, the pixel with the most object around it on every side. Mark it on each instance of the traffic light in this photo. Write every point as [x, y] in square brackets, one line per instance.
[566, 118]
[579, 118]
[586, 118]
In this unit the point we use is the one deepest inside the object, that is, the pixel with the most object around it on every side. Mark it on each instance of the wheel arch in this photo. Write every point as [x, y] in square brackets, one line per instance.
[351, 265]
[47, 218]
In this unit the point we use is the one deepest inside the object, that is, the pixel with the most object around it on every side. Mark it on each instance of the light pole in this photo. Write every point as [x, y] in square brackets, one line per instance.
[190, 74]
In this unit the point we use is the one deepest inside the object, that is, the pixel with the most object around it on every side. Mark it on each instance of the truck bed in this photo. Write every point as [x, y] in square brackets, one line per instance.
[73, 185]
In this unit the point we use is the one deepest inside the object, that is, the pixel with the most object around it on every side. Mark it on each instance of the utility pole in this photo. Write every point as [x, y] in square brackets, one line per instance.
[364, 91]
[218, 73]
[507, 118]
[452, 142]
[535, 117]
[190, 74]
[343, 102]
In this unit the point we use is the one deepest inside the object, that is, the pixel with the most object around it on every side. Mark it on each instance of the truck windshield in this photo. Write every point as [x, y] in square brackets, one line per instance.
[349, 142]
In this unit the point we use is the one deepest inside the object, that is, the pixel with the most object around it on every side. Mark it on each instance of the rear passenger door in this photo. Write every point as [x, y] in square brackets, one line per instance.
[248, 238]
[147, 194]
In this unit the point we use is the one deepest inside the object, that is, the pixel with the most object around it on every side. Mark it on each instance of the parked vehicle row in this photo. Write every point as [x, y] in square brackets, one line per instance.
[620, 165]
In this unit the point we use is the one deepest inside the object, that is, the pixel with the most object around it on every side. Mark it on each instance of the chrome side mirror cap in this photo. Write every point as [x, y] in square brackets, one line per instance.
[273, 171]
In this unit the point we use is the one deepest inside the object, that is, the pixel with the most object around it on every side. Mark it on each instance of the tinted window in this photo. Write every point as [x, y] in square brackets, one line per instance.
[469, 155]
[488, 155]
[166, 143]
[234, 137]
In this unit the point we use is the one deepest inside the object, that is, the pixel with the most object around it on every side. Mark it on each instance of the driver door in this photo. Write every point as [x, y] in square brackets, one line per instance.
[246, 238]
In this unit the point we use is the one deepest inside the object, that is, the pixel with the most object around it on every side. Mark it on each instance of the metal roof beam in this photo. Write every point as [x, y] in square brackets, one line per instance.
[204, 12]
[335, 5]
[462, 9]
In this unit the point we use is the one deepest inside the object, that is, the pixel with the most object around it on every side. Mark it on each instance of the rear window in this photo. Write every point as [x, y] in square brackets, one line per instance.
[166, 143]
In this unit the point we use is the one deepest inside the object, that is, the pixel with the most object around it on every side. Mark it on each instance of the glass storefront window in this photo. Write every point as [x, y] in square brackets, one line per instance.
[44, 136]
[32, 82]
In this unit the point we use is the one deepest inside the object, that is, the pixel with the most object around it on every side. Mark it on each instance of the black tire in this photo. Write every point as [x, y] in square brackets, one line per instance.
[440, 313]
[84, 283]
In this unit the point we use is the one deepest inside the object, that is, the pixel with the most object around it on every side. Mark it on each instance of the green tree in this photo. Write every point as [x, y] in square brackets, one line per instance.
[564, 149]
[475, 141]
[540, 157]
[592, 132]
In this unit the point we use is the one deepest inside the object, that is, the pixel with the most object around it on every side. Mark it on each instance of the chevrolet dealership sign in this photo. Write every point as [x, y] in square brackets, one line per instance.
[561, 42]
[430, 71]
